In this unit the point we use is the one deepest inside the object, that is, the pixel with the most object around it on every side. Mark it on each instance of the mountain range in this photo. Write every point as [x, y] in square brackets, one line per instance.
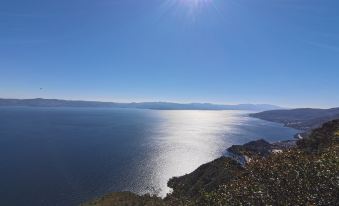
[39, 102]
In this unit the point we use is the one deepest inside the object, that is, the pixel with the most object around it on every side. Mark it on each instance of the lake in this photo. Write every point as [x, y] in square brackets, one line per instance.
[64, 156]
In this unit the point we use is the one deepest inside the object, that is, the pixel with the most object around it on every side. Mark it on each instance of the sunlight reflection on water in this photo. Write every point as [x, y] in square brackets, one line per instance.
[183, 140]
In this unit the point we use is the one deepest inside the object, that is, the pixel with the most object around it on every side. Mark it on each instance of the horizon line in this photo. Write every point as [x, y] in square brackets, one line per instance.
[173, 102]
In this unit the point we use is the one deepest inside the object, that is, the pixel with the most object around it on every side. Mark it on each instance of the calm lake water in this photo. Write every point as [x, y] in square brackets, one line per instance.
[64, 156]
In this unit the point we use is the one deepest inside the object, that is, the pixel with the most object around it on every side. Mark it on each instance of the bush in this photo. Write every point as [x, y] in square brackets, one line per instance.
[293, 177]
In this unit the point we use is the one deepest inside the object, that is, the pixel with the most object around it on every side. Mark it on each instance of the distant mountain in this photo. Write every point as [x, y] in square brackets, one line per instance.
[143, 105]
[304, 119]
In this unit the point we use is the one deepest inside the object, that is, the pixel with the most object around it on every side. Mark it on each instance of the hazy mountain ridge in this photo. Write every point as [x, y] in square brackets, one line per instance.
[39, 102]
[304, 118]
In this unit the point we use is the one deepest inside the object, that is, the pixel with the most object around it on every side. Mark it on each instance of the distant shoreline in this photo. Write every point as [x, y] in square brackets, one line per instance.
[304, 119]
[39, 102]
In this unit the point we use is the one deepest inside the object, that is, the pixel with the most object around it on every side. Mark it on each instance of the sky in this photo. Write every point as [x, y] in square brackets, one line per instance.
[282, 52]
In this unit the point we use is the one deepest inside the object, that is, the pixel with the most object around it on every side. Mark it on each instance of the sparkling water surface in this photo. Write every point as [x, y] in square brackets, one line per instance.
[65, 156]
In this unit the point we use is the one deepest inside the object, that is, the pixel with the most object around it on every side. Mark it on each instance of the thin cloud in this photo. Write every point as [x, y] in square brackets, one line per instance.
[331, 47]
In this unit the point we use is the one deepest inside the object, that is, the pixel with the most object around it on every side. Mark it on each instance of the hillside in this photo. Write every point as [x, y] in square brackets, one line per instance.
[303, 119]
[207, 176]
[306, 174]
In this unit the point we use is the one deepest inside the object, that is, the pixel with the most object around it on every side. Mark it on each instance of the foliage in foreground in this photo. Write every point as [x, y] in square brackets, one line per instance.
[290, 178]
[307, 175]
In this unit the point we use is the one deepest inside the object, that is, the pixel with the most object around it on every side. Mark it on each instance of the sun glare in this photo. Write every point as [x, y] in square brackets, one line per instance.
[192, 7]
[195, 3]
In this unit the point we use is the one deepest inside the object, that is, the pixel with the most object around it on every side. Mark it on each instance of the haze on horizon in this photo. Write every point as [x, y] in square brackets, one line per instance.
[280, 52]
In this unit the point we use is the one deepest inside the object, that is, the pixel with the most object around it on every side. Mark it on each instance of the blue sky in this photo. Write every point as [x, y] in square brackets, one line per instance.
[283, 52]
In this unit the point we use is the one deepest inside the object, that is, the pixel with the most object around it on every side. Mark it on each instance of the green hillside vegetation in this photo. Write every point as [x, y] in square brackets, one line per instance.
[207, 177]
[305, 175]
[290, 178]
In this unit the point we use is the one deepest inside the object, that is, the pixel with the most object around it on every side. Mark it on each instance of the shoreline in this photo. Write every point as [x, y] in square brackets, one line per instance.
[239, 157]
